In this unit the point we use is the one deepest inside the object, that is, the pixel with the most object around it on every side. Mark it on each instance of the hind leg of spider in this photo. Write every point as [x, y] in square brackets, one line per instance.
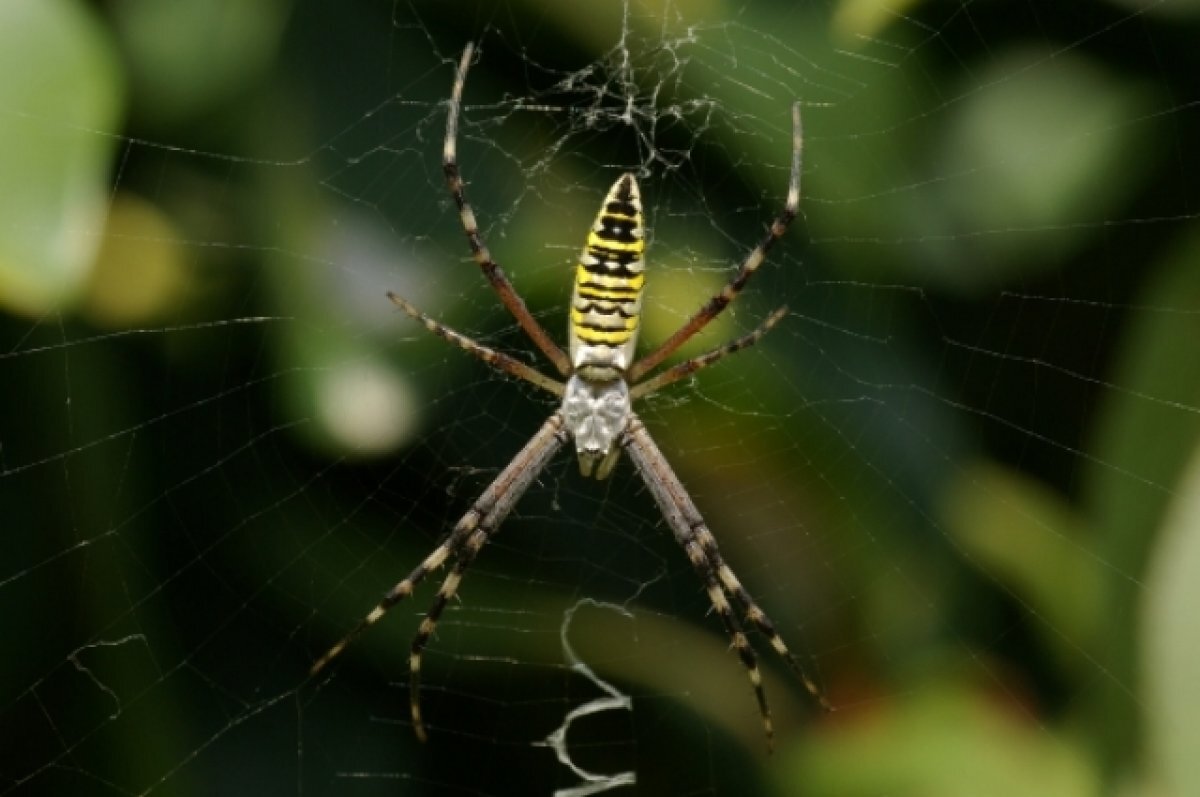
[683, 518]
[446, 592]
[401, 590]
[733, 627]
[488, 511]
[754, 614]
[504, 493]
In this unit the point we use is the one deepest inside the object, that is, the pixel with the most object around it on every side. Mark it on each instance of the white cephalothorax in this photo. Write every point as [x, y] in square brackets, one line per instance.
[602, 380]
[595, 414]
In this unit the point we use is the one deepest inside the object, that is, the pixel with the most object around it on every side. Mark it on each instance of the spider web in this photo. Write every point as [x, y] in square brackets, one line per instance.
[958, 475]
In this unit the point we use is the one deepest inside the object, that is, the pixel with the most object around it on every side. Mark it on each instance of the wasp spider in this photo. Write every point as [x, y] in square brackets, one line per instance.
[600, 385]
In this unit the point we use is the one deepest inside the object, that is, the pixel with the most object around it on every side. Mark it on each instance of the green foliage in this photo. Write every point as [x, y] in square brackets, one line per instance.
[60, 103]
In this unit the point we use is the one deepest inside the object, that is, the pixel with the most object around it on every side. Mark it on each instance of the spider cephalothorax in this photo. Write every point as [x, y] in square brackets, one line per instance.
[596, 414]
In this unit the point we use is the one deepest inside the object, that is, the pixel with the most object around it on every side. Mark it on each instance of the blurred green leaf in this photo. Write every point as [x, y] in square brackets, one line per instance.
[141, 271]
[186, 55]
[945, 742]
[1146, 433]
[1031, 539]
[1171, 640]
[344, 397]
[56, 143]
[1038, 143]
[856, 22]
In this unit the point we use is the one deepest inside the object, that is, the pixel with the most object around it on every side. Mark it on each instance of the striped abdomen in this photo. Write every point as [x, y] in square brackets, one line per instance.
[607, 301]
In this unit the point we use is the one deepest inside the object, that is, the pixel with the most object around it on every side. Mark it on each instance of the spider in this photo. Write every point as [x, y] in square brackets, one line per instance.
[601, 384]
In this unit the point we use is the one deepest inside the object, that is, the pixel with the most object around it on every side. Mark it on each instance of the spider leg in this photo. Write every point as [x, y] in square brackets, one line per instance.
[715, 305]
[491, 269]
[401, 590]
[497, 360]
[687, 524]
[704, 568]
[472, 545]
[689, 367]
[464, 541]
[754, 614]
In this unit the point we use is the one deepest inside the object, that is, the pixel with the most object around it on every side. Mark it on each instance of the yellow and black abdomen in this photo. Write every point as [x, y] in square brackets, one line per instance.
[607, 302]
